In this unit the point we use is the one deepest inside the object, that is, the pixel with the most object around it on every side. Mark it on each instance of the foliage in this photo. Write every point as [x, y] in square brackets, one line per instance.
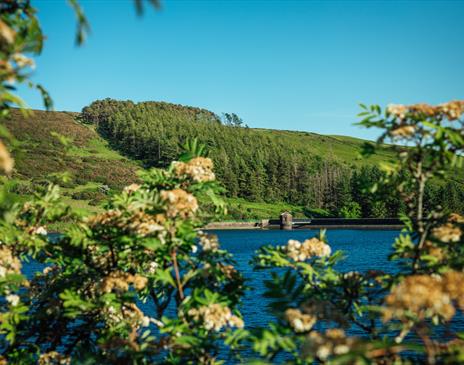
[256, 165]
[351, 210]
[20, 35]
[88, 159]
[241, 209]
[138, 282]
[21, 39]
[316, 213]
[405, 316]
[322, 184]
[144, 249]
[233, 120]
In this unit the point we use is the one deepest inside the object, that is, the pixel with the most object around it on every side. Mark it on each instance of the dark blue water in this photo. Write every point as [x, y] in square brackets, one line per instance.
[364, 250]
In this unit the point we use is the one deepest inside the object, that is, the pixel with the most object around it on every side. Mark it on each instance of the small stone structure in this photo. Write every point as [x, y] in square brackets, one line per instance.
[286, 221]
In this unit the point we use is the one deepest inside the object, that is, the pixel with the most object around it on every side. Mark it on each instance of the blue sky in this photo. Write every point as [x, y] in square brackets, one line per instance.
[299, 65]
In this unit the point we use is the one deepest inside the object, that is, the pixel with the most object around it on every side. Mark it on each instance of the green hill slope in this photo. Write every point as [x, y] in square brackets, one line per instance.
[258, 165]
[89, 160]
[264, 171]
[40, 152]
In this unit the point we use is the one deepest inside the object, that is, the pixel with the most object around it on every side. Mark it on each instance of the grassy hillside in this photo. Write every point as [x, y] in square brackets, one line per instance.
[89, 159]
[39, 155]
[265, 171]
[342, 149]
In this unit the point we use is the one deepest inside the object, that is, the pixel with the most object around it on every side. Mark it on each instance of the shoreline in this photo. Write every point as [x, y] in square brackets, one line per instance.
[335, 223]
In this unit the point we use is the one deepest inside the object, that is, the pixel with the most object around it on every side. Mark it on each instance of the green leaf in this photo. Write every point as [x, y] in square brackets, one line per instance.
[165, 277]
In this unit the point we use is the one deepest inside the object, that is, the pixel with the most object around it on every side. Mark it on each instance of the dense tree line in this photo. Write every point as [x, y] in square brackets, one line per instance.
[251, 164]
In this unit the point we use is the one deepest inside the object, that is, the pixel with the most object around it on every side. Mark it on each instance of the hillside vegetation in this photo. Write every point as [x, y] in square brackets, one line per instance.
[40, 152]
[263, 171]
[94, 168]
[254, 164]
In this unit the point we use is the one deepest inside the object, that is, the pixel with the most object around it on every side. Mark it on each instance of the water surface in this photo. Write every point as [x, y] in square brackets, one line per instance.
[364, 250]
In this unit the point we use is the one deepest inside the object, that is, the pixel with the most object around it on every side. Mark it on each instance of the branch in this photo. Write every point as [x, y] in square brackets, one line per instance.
[176, 271]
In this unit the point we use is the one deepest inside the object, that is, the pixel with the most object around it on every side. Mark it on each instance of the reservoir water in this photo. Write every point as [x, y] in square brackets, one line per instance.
[364, 250]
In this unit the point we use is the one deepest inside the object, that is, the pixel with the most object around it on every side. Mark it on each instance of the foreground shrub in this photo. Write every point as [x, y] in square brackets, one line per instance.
[144, 250]
[411, 315]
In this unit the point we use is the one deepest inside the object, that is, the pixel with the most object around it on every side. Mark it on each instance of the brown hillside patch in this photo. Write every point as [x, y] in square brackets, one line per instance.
[40, 154]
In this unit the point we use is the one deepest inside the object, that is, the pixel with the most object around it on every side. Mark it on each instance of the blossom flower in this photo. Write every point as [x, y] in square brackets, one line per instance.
[423, 109]
[116, 280]
[199, 169]
[303, 251]
[47, 270]
[453, 284]
[120, 281]
[180, 203]
[403, 131]
[129, 313]
[332, 342]
[13, 299]
[132, 188]
[299, 321]
[136, 222]
[152, 266]
[38, 230]
[215, 317]
[423, 295]
[235, 321]
[99, 256]
[143, 224]
[107, 218]
[447, 233]
[352, 276]
[456, 218]
[54, 358]
[434, 251]
[23, 61]
[208, 242]
[453, 109]
[9, 264]
[228, 270]
[140, 282]
[324, 310]
[6, 162]
[397, 110]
